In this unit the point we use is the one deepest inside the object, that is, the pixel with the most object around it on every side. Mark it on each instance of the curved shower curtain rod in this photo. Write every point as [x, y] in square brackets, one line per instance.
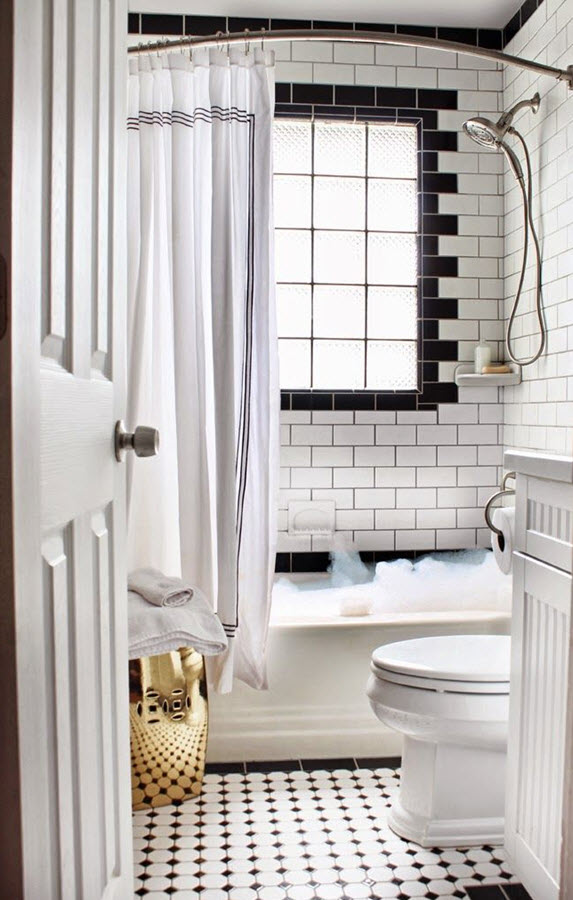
[361, 37]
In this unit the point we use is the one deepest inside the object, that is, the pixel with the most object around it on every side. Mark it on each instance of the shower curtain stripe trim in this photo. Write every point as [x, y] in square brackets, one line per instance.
[245, 419]
[180, 118]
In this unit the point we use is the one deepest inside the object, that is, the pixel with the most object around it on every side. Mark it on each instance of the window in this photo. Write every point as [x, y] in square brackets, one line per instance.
[346, 218]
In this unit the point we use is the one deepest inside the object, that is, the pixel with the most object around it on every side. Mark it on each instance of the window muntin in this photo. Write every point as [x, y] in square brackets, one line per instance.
[346, 219]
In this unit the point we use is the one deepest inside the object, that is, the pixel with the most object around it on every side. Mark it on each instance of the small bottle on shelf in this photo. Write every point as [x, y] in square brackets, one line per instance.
[482, 357]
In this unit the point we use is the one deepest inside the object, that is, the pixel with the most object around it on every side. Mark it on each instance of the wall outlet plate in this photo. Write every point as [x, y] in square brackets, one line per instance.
[311, 517]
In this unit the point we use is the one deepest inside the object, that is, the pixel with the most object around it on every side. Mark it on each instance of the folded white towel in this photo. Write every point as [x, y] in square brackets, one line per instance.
[159, 589]
[159, 629]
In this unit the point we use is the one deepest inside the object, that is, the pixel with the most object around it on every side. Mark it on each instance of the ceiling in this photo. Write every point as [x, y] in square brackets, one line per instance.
[468, 13]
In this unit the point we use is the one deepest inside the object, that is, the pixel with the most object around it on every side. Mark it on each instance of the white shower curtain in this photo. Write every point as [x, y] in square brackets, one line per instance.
[201, 329]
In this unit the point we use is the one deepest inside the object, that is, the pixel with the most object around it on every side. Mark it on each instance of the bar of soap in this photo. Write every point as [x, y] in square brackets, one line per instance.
[496, 370]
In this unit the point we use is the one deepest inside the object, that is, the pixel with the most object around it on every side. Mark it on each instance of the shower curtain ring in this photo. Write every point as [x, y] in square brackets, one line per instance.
[263, 32]
[247, 43]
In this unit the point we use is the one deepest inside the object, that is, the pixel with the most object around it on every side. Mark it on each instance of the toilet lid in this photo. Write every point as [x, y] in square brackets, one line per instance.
[469, 658]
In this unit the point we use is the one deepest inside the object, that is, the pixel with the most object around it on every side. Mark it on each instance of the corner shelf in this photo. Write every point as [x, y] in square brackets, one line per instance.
[465, 376]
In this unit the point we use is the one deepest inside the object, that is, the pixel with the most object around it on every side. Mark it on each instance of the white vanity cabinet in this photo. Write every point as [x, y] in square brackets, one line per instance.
[541, 628]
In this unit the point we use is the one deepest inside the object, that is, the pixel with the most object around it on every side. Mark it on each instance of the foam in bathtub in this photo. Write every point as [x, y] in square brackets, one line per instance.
[440, 582]
[347, 570]
[468, 579]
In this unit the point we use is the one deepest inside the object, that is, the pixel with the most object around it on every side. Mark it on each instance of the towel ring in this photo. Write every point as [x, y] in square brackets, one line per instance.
[504, 492]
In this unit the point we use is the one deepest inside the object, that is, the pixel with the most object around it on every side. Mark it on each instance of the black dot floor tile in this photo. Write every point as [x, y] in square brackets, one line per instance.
[315, 830]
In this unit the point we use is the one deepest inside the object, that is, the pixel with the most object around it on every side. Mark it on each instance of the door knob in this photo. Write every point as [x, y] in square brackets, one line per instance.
[144, 441]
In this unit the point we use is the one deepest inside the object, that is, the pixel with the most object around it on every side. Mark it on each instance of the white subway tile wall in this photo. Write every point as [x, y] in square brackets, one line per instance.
[382, 473]
[538, 413]
[409, 481]
[413, 486]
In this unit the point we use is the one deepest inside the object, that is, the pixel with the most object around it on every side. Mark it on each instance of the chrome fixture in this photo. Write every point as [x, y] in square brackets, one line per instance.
[504, 492]
[144, 441]
[356, 37]
[493, 136]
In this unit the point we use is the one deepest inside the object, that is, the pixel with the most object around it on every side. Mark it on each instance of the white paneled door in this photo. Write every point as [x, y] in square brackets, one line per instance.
[67, 337]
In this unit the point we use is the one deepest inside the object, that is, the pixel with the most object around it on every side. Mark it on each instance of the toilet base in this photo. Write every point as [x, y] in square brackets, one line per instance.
[450, 795]
[445, 833]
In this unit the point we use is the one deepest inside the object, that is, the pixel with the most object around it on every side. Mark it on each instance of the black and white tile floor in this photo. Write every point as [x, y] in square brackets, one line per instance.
[299, 831]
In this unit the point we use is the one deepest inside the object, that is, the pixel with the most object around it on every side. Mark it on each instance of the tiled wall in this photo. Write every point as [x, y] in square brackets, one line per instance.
[407, 480]
[401, 481]
[416, 478]
[539, 412]
[441, 253]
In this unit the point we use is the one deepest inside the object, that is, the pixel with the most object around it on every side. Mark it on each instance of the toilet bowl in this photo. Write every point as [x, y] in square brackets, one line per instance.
[449, 696]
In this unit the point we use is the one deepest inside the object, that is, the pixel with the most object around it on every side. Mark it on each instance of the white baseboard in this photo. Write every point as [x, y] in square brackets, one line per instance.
[295, 734]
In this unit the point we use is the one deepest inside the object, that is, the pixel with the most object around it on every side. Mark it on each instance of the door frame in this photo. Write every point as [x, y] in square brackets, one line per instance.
[22, 404]
[10, 821]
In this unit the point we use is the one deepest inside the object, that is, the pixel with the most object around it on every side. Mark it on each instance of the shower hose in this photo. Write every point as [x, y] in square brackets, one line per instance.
[528, 225]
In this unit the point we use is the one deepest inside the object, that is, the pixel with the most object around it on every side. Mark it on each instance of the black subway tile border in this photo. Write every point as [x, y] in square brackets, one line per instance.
[440, 140]
[173, 24]
[320, 25]
[236, 23]
[418, 30]
[430, 329]
[318, 561]
[354, 95]
[432, 265]
[518, 20]
[460, 35]
[157, 23]
[133, 23]
[430, 161]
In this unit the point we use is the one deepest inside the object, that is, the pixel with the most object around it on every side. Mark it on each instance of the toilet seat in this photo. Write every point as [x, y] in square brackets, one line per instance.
[468, 664]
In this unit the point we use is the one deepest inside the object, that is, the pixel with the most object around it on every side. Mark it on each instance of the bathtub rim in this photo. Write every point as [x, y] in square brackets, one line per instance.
[445, 617]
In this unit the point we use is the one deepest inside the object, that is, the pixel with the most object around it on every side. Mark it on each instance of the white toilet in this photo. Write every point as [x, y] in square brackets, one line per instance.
[449, 696]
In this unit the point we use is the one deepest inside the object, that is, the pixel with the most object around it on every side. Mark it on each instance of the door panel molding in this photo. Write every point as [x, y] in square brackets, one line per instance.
[67, 369]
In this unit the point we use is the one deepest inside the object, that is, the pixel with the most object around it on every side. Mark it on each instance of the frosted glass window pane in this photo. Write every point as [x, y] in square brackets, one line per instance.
[339, 202]
[292, 151]
[338, 364]
[293, 310]
[339, 149]
[292, 201]
[294, 363]
[392, 365]
[392, 151]
[392, 205]
[392, 258]
[338, 312]
[292, 255]
[339, 257]
[392, 312]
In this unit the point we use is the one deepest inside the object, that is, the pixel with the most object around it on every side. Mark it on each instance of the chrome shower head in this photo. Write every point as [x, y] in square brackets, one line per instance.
[490, 134]
[484, 132]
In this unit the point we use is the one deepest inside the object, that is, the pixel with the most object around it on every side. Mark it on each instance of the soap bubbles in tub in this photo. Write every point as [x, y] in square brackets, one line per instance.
[457, 580]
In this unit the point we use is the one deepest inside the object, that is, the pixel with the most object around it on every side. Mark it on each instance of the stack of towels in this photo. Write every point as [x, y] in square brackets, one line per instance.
[165, 613]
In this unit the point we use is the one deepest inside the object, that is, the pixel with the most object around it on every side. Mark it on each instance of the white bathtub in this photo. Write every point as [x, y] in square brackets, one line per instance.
[316, 705]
